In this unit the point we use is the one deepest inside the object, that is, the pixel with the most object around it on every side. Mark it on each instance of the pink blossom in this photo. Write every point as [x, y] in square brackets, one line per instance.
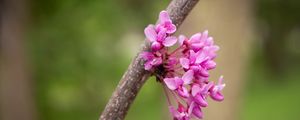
[199, 62]
[165, 22]
[159, 35]
[177, 83]
[179, 114]
[195, 110]
[197, 41]
[184, 71]
[173, 83]
[215, 92]
[151, 60]
[199, 93]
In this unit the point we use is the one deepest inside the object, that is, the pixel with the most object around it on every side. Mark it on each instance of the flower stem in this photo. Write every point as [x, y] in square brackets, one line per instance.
[176, 50]
[166, 93]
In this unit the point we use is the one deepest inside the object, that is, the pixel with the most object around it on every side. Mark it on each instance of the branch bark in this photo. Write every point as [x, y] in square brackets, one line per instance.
[136, 75]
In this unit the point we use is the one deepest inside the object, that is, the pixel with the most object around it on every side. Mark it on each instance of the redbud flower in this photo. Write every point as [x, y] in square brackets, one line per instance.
[152, 60]
[159, 35]
[177, 83]
[215, 92]
[195, 110]
[165, 23]
[183, 72]
[180, 114]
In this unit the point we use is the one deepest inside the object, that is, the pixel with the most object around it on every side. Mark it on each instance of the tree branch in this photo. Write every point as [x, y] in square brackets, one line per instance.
[136, 75]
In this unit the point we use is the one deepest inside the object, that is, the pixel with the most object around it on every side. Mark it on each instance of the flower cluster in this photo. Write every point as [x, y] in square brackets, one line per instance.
[183, 72]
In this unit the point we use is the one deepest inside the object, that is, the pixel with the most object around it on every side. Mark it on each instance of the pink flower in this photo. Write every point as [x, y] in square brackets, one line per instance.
[179, 114]
[185, 70]
[195, 110]
[159, 35]
[173, 83]
[159, 39]
[199, 93]
[165, 23]
[152, 60]
[177, 83]
[197, 41]
[215, 92]
[186, 79]
[198, 62]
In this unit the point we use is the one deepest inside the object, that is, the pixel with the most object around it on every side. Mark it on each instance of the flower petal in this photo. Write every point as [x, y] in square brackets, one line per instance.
[169, 41]
[188, 77]
[148, 65]
[199, 99]
[191, 107]
[164, 16]
[204, 72]
[197, 112]
[170, 82]
[209, 65]
[185, 63]
[209, 41]
[206, 87]
[215, 48]
[195, 89]
[161, 36]
[204, 36]
[193, 56]
[183, 92]
[217, 96]
[155, 46]
[174, 112]
[180, 108]
[150, 33]
[156, 61]
[200, 57]
[210, 51]
[181, 39]
[196, 46]
[195, 38]
[219, 87]
[178, 81]
[171, 28]
[147, 55]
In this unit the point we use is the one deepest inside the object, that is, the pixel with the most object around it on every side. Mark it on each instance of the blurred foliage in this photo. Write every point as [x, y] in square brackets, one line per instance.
[273, 80]
[270, 96]
[278, 22]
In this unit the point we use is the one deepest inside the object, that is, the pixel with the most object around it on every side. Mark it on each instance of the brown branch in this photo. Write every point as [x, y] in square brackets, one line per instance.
[136, 75]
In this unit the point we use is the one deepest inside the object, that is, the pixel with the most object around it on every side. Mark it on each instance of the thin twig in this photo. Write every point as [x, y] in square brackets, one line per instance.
[136, 75]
